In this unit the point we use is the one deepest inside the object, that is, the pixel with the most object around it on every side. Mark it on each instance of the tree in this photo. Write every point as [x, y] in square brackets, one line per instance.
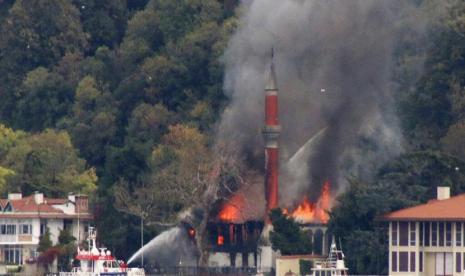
[185, 177]
[48, 253]
[103, 21]
[43, 99]
[35, 33]
[179, 18]
[48, 162]
[93, 123]
[44, 241]
[67, 250]
[4, 174]
[436, 100]
[287, 237]
[453, 142]
[164, 83]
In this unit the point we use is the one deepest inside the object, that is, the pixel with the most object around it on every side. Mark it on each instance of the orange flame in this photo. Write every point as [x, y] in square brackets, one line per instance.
[305, 212]
[231, 211]
[220, 240]
[309, 212]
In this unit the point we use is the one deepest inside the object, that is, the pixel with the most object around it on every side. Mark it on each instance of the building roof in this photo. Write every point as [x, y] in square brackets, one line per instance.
[27, 207]
[451, 209]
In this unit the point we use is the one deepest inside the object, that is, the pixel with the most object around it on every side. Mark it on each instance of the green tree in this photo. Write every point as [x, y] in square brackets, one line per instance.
[4, 174]
[44, 98]
[436, 101]
[35, 33]
[93, 122]
[287, 237]
[163, 77]
[104, 21]
[143, 37]
[67, 250]
[179, 18]
[48, 162]
[44, 241]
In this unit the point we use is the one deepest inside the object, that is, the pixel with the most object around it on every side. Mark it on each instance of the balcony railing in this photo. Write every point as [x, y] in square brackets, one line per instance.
[16, 238]
[8, 238]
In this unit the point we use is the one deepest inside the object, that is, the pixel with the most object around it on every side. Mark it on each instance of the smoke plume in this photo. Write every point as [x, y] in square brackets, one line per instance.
[334, 64]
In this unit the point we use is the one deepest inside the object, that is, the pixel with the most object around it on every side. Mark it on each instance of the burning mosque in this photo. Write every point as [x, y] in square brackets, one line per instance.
[238, 236]
[334, 67]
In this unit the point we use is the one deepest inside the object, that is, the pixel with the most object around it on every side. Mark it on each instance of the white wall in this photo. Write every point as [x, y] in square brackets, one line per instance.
[219, 259]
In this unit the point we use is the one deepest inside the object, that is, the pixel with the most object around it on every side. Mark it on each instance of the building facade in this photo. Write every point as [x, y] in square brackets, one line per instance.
[428, 239]
[24, 219]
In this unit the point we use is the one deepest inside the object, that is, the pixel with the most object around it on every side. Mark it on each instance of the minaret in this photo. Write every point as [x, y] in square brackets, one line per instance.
[271, 133]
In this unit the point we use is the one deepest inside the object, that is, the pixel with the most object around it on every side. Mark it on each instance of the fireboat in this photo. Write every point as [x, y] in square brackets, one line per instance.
[334, 265]
[100, 262]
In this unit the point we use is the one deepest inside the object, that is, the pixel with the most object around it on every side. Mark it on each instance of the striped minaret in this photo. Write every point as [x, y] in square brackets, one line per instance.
[271, 133]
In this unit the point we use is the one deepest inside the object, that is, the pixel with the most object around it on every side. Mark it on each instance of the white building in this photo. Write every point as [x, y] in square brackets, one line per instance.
[24, 219]
[428, 239]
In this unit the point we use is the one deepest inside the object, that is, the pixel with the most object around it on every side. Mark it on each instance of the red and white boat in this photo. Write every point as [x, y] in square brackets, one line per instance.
[100, 262]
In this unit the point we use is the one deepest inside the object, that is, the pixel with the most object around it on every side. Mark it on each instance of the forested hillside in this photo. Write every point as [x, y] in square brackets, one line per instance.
[96, 96]
[88, 88]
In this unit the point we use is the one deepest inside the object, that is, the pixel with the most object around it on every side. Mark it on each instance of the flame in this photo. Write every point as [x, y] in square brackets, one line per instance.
[231, 211]
[308, 211]
[220, 240]
[305, 212]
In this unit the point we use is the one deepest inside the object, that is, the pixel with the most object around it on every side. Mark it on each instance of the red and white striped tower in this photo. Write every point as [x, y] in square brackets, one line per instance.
[271, 133]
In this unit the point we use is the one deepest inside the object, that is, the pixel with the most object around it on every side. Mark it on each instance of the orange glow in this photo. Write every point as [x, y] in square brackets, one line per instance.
[308, 211]
[220, 240]
[192, 233]
[231, 211]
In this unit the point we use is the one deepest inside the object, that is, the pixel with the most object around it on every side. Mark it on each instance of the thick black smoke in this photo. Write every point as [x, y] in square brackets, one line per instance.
[334, 62]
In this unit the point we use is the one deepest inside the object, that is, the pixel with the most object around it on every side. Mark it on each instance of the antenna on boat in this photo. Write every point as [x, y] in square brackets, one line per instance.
[78, 218]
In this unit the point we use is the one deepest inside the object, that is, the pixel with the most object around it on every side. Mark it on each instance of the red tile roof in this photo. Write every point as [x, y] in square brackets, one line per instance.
[26, 207]
[452, 209]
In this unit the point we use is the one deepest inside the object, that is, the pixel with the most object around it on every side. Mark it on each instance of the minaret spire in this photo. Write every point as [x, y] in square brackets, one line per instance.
[271, 133]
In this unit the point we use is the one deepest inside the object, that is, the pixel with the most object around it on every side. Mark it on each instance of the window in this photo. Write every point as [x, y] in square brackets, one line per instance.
[11, 229]
[448, 234]
[422, 232]
[444, 262]
[394, 233]
[427, 233]
[412, 234]
[43, 227]
[458, 234]
[458, 262]
[441, 234]
[434, 234]
[403, 233]
[25, 229]
[12, 254]
[403, 261]
[394, 261]
[412, 262]
[67, 224]
[420, 264]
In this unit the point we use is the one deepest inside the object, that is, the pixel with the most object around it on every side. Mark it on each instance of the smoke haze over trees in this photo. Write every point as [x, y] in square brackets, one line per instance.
[90, 92]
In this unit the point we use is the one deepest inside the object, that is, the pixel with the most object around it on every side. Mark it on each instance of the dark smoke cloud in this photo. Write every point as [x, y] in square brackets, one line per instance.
[345, 47]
